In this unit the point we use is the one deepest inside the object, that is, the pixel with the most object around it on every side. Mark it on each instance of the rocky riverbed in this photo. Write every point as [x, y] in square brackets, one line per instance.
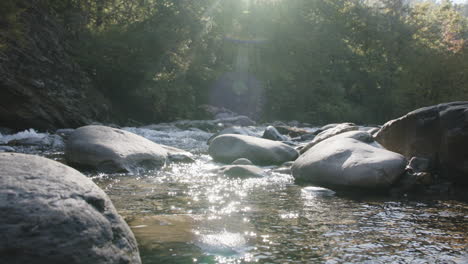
[189, 207]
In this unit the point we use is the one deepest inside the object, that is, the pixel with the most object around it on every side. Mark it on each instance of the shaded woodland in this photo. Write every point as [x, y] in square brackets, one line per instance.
[316, 61]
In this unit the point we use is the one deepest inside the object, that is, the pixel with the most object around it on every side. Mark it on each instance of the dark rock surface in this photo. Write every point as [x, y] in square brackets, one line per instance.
[326, 133]
[51, 213]
[438, 133]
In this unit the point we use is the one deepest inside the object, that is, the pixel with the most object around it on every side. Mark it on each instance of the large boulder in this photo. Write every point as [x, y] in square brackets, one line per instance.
[112, 150]
[332, 131]
[232, 130]
[229, 147]
[51, 213]
[439, 133]
[347, 163]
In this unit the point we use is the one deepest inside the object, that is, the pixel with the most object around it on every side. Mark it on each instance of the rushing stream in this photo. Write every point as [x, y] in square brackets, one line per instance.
[186, 213]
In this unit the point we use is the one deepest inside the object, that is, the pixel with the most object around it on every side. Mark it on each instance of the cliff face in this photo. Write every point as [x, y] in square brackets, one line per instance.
[40, 84]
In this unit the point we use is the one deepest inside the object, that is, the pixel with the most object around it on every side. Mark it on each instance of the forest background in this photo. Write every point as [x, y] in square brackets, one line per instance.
[316, 61]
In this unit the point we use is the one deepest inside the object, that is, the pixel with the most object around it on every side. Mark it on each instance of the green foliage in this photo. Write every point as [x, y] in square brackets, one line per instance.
[313, 60]
[10, 25]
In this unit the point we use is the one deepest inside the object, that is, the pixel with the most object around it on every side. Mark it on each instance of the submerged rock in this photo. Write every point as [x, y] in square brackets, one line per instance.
[229, 147]
[112, 150]
[348, 164]
[51, 213]
[438, 133]
[330, 132]
[242, 171]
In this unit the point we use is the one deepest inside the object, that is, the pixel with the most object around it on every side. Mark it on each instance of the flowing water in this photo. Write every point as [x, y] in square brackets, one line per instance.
[186, 213]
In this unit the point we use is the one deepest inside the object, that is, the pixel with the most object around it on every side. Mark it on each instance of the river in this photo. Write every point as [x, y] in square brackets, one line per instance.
[186, 213]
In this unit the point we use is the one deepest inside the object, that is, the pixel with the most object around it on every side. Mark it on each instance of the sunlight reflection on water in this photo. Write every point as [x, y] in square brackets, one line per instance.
[188, 214]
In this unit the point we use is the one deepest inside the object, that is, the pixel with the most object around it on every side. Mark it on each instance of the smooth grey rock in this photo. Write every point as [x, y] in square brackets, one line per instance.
[112, 150]
[242, 161]
[273, 134]
[357, 135]
[438, 133]
[332, 132]
[348, 163]
[232, 130]
[242, 171]
[229, 147]
[51, 213]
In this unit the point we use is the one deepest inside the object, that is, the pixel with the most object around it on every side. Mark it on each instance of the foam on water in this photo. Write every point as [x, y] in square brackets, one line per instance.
[193, 140]
[26, 134]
